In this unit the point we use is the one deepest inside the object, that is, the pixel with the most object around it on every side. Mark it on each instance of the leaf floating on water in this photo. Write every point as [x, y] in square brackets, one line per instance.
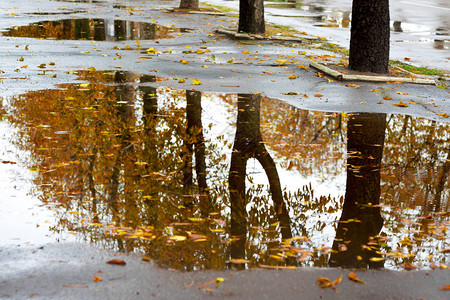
[146, 258]
[278, 267]
[177, 238]
[196, 82]
[116, 262]
[238, 261]
[445, 287]
[352, 276]
[97, 278]
[293, 77]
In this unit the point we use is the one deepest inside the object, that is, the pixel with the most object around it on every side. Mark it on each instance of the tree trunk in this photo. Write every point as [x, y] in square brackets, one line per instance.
[369, 41]
[189, 4]
[251, 16]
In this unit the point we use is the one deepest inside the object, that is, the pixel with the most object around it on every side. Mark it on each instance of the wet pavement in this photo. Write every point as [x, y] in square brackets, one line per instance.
[149, 137]
[419, 28]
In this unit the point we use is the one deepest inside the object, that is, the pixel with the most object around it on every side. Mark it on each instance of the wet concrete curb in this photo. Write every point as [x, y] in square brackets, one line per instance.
[369, 78]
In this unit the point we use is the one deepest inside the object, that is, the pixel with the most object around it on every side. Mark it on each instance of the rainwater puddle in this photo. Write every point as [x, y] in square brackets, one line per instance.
[196, 180]
[93, 29]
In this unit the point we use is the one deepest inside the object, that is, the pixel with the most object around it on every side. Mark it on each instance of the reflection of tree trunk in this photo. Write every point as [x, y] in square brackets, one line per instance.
[120, 30]
[248, 143]
[99, 30]
[82, 29]
[361, 219]
[195, 141]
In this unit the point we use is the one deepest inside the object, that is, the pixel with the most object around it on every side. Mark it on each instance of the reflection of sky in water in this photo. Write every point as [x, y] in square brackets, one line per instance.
[24, 219]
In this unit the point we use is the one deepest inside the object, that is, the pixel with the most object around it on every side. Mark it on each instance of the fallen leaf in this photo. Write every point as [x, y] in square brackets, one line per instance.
[219, 281]
[206, 284]
[145, 258]
[189, 285]
[75, 285]
[445, 287]
[116, 262]
[196, 82]
[352, 276]
[401, 104]
[293, 77]
[97, 278]
[318, 95]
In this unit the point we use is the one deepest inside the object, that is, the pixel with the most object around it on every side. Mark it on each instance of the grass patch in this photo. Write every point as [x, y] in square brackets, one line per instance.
[335, 48]
[218, 8]
[417, 70]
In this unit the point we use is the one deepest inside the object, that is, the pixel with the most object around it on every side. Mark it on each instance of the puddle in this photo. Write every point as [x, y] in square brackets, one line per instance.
[93, 29]
[211, 181]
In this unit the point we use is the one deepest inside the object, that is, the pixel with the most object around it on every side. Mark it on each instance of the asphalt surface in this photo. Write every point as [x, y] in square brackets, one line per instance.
[51, 270]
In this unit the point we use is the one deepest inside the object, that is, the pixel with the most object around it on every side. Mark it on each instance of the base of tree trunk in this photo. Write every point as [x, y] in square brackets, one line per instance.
[370, 34]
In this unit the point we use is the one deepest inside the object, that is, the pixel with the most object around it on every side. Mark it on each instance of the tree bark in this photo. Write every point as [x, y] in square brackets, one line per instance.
[189, 4]
[251, 16]
[369, 41]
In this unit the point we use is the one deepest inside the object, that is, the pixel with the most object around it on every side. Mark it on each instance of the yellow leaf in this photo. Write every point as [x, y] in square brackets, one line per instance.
[145, 258]
[177, 238]
[293, 77]
[127, 48]
[200, 51]
[238, 261]
[196, 82]
[139, 43]
[281, 61]
[376, 259]
[219, 280]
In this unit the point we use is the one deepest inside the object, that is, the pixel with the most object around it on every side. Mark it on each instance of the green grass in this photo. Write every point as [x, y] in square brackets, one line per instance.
[417, 70]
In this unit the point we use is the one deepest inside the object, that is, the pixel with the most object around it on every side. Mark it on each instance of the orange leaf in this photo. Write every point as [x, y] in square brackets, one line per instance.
[352, 276]
[97, 278]
[445, 287]
[401, 104]
[116, 262]
[318, 95]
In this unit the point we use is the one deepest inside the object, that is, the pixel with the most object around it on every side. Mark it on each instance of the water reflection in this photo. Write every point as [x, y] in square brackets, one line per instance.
[248, 143]
[131, 166]
[361, 221]
[93, 29]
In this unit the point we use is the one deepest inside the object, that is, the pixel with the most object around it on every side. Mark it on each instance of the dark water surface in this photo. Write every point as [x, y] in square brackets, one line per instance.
[209, 181]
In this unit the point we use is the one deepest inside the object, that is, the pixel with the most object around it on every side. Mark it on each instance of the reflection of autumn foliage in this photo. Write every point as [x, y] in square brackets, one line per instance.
[91, 29]
[310, 142]
[110, 154]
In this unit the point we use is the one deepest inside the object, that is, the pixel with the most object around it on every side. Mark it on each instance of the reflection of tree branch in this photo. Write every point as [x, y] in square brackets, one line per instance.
[248, 143]
[361, 220]
[442, 179]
